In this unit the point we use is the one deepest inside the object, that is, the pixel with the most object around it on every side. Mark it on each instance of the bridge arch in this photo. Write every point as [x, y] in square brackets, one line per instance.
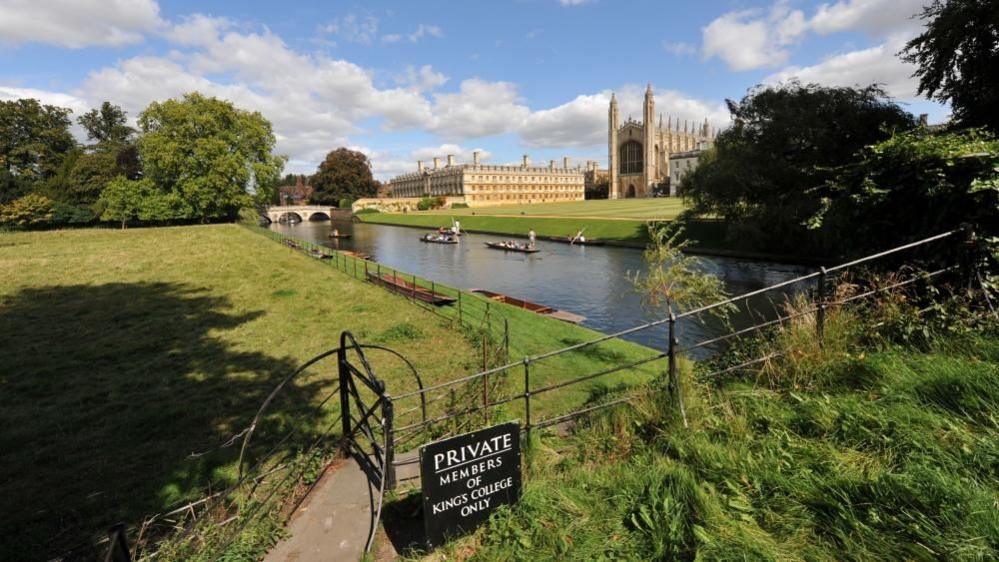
[288, 216]
[318, 216]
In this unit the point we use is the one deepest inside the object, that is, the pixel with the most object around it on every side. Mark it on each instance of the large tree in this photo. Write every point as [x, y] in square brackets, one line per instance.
[344, 173]
[767, 173]
[957, 59]
[107, 124]
[207, 153]
[34, 140]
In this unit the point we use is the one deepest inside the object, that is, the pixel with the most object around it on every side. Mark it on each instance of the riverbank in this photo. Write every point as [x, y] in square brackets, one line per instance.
[127, 351]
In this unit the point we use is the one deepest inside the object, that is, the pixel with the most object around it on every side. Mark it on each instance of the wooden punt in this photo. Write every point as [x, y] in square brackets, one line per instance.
[406, 288]
[319, 255]
[339, 236]
[357, 255]
[562, 315]
[291, 243]
[503, 246]
[570, 240]
[436, 239]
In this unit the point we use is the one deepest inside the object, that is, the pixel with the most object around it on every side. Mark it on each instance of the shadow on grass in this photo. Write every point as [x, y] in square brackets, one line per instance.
[105, 391]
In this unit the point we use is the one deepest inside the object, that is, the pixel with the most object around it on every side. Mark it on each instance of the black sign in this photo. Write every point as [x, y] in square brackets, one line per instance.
[465, 478]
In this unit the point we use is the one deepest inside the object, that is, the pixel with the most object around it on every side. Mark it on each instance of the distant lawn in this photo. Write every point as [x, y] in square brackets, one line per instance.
[661, 208]
[126, 351]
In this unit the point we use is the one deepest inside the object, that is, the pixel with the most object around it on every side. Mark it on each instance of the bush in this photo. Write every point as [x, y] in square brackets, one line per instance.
[29, 211]
[345, 203]
[459, 206]
[64, 213]
[425, 204]
[368, 211]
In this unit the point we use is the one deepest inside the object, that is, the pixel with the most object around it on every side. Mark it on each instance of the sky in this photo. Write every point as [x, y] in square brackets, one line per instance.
[408, 80]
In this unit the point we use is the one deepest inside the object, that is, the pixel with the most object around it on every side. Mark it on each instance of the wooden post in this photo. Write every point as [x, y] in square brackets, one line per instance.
[820, 314]
[527, 396]
[674, 377]
[459, 308]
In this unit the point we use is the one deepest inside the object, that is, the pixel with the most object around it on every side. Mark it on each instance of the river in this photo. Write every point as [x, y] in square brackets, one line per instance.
[591, 281]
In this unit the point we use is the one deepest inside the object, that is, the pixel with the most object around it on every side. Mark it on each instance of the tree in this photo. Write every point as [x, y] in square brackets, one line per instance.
[206, 153]
[766, 173]
[344, 173]
[123, 199]
[31, 210]
[956, 58]
[107, 124]
[34, 139]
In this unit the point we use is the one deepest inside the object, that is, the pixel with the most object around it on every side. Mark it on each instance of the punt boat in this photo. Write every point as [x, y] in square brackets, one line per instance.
[562, 315]
[512, 247]
[406, 288]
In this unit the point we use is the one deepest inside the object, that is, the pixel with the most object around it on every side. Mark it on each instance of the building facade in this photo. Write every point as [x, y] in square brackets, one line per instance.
[680, 164]
[297, 194]
[484, 185]
[638, 153]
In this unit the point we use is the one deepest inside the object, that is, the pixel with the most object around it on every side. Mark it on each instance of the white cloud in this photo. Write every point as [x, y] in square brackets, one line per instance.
[875, 17]
[747, 39]
[679, 48]
[425, 30]
[582, 122]
[77, 23]
[461, 154]
[876, 65]
[422, 80]
[353, 28]
[478, 109]
[391, 38]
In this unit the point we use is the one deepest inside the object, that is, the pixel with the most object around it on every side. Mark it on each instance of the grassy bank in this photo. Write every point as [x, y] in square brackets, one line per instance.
[127, 351]
[865, 450]
[630, 231]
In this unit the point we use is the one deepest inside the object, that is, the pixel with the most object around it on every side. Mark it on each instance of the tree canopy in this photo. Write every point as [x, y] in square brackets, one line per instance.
[34, 140]
[768, 172]
[957, 57]
[207, 153]
[107, 124]
[343, 174]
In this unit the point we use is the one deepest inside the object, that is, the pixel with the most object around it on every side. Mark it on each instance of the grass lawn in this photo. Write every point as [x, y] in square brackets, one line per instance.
[660, 208]
[126, 351]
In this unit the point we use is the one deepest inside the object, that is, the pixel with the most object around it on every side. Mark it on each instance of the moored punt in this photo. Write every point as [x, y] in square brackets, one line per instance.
[576, 241]
[320, 255]
[512, 247]
[357, 255]
[331, 235]
[405, 288]
[438, 239]
[291, 243]
[563, 315]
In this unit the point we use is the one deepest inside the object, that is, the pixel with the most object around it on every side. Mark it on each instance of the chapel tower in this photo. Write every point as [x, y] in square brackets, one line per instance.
[612, 125]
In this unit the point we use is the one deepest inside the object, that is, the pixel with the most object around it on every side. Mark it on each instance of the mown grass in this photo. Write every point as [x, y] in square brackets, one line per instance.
[633, 231]
[660, 208]
[124, 352]
[863, 452]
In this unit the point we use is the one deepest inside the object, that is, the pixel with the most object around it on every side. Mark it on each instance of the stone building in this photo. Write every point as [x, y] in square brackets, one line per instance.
[639, 152]
[297, 194]
[680, 163]
[484, 185]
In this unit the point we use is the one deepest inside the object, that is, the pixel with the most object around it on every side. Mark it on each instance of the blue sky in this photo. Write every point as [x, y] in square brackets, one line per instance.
[409, 80]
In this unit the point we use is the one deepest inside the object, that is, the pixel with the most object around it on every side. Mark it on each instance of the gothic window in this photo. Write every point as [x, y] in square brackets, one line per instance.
[631, 158]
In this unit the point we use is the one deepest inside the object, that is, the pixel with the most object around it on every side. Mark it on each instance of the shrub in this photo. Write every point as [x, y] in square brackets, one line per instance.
[368, 211]
[345, 203]
[29, 211]
[64, 213]
[459, 206]
[425, 204]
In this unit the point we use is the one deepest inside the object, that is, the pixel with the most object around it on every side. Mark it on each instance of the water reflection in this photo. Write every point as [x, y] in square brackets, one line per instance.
[592, 281]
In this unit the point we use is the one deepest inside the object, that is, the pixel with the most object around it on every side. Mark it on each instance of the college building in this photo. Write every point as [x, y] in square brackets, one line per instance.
[482, 185]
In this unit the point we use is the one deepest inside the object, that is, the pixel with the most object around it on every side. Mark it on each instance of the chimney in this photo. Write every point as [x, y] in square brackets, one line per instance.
[527, 161]
[437, 162]
[551, 164]
[924, 119]
[419, 165]
[475, 157]
[450, 159]
[565, 163]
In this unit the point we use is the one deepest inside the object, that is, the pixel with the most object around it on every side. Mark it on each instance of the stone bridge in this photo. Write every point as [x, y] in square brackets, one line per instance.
[303, 212]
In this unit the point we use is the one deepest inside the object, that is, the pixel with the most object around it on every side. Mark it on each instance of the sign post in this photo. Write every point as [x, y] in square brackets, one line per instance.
[465, 478]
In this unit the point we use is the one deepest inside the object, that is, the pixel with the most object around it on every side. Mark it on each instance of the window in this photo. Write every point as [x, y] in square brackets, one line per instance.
[631, 158]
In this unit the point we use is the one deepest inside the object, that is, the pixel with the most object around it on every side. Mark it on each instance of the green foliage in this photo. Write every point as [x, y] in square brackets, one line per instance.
[343, 173]
[955, 59]
[429, 203]
[64, 213]
[368, 211]
[673, 278]
[125, 201]
[459, 206]
[765, 170]
[914, 185]
[34, 139]
[206, 153]
[107, 124]
[29, 211]
[344, 203]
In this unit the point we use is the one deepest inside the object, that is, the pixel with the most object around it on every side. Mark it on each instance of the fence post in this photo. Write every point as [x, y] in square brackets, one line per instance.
[433, 290]
[674, 378]
[506, 339]
[388, 411]
[527, 396]
[459, 307]
[118, 545]
[378, 270]
[365, 269]
[414, 286]
[820, 315]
